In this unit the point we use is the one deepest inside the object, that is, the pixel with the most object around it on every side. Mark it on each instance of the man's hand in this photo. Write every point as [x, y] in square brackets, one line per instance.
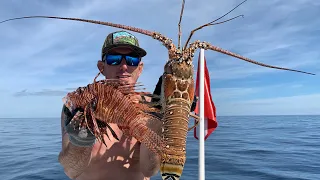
[79, 136]
[136, 98]
[74, 156]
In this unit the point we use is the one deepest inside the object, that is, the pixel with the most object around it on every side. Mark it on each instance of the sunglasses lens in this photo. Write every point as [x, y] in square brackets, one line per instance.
[113, 59]
[132, 61]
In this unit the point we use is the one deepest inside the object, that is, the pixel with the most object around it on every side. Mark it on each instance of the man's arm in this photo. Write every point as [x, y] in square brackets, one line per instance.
[149, 161]
[74, 159]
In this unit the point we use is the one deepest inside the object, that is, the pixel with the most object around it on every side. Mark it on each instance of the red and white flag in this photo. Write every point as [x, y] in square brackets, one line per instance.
[210, 121]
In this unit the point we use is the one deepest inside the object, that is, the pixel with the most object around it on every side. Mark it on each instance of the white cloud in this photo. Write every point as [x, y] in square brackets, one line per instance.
[44, 92]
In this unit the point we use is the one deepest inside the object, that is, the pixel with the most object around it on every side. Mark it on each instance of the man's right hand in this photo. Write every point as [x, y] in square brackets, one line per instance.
[81, 137]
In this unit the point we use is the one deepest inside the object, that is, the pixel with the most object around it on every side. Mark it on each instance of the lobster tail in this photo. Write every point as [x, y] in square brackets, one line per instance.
[175, 129]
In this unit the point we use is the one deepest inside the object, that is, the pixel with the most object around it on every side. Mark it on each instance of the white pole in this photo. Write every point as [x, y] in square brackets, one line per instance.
[201, 108]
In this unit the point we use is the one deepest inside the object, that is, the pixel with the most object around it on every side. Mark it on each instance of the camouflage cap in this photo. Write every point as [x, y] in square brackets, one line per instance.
[122, 39]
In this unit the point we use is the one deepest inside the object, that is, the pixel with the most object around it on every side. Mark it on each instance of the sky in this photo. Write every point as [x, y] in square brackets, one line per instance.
[43, 59]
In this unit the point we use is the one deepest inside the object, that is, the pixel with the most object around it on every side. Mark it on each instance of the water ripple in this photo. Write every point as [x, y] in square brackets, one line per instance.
[251, 148]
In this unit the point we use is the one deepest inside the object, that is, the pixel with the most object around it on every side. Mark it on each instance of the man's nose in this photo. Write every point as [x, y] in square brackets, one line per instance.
[123, 65]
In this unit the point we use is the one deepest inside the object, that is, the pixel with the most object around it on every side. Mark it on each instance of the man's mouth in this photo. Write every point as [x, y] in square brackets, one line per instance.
[123, 76]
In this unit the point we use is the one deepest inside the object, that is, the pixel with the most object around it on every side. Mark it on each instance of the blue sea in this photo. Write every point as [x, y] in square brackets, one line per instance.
[241, 148]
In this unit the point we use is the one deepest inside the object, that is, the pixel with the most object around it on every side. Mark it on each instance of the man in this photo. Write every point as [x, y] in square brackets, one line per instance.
[88, 158]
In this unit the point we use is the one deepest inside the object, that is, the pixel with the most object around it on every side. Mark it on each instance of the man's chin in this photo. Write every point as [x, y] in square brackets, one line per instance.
[125, 80]
[127, 86]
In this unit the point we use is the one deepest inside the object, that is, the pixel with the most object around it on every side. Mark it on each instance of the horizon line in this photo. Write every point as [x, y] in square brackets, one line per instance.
[217, 116]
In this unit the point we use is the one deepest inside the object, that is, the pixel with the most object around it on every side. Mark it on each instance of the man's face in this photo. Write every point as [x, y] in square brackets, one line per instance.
[124, 72]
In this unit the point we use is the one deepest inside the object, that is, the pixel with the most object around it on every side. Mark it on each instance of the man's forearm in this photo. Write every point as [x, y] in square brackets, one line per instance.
[149, 161]
[74, 159]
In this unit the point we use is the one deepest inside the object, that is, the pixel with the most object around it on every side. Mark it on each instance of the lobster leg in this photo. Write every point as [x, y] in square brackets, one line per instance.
[197, 121]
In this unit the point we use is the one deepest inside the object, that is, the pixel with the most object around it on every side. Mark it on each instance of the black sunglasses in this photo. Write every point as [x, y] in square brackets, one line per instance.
[115, 59]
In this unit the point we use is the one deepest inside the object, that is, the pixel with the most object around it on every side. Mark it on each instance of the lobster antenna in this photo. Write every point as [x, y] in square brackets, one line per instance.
[227, 20]
[179, 24]
[165, 41]
[212, 22]
[229, 11]
[207, 45]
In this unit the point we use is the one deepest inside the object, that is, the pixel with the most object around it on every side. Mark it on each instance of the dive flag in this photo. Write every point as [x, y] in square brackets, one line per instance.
[210, 122]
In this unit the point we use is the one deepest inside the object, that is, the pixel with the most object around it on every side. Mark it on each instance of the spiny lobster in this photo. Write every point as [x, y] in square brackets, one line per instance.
[177, 95]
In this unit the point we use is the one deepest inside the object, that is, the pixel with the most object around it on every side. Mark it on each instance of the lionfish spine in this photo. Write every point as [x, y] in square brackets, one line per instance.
[117, 109]
[113, 105]
[145, 135]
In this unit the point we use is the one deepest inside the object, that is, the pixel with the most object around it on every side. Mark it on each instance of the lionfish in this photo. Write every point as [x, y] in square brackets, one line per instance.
[106, 101]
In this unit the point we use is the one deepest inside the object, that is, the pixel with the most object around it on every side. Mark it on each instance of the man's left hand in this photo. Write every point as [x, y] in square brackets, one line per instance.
[136, 98]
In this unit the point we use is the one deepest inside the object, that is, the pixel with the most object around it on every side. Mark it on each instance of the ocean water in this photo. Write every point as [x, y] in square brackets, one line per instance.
[241, 148]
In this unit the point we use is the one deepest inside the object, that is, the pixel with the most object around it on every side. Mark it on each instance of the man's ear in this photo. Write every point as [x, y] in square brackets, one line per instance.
[100, 66]
[140, 68]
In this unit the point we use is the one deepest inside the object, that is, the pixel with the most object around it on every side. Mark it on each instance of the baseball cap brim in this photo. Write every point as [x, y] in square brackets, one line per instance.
[141, 52]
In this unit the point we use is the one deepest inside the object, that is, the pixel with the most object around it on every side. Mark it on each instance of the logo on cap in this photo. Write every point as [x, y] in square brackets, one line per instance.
[123, 37]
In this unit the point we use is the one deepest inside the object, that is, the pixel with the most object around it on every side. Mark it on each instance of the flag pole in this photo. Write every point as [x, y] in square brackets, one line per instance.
[201, 128]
